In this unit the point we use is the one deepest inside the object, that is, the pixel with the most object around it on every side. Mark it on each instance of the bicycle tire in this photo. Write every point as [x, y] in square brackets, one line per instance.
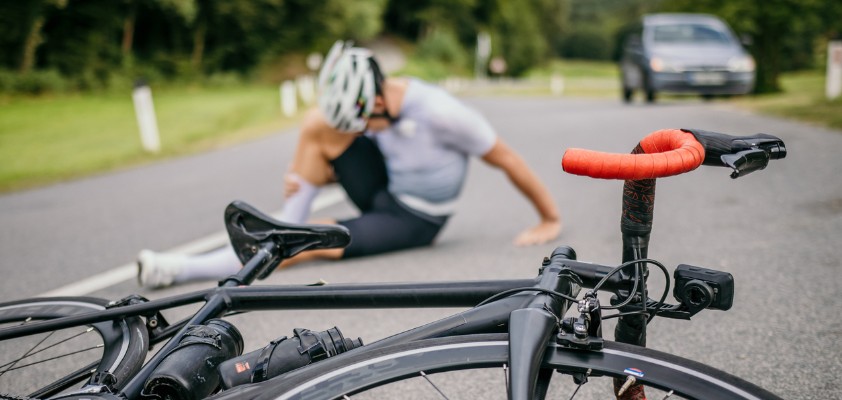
[361, 370]
[124, 342]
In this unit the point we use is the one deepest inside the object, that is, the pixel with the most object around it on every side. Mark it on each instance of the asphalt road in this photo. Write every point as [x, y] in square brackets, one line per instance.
[777, 231]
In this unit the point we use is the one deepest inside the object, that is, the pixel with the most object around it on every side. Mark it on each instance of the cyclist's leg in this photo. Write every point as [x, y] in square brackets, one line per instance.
[321, 254]
[389, 227]
[310, 170]
[361, 171]
[311, 166]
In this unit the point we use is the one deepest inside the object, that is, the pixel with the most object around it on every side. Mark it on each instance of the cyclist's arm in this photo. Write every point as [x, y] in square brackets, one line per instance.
[524, 179]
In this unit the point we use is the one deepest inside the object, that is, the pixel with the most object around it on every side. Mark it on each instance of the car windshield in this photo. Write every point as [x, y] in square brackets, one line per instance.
[690, 33]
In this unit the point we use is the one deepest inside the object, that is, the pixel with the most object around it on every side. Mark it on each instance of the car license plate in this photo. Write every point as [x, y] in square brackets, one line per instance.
[707, 78]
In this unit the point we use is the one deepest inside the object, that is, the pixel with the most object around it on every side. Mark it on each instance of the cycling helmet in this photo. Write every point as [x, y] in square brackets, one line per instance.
[348, 82]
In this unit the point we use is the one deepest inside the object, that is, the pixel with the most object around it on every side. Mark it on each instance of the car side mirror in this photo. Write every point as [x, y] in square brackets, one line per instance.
[746, 40]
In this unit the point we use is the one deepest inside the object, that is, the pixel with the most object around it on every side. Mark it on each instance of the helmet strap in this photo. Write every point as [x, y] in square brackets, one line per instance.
[385, 114]
[378, 89]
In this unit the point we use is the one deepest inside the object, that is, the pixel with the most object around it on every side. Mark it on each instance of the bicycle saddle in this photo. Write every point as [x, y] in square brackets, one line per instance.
[249, 229]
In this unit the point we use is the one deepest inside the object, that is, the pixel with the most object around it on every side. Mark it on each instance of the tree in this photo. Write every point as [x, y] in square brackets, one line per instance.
[34, 38]
[517, 35]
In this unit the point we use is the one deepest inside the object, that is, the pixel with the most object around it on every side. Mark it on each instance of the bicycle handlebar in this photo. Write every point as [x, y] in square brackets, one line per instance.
[670, 152]
[666, 152]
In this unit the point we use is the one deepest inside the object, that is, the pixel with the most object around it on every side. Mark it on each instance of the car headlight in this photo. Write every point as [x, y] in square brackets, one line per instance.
[659, 64]
[741, 64]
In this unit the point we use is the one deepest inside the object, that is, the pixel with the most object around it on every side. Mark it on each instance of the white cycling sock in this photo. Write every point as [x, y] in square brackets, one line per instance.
[214, 265]
[297, 207]
[221, 263]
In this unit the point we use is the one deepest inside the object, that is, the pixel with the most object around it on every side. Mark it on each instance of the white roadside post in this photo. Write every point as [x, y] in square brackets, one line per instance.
[146, 120]
[306, 89]
[556, 84]
[307, 83]
[289, 103]
[834, 69]
[483, 52]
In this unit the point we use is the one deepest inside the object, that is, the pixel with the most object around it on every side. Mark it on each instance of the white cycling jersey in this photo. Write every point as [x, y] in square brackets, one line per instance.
[426, 150]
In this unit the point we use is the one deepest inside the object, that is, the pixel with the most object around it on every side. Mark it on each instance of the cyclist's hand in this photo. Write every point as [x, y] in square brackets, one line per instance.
[539, 234]
[291, 185]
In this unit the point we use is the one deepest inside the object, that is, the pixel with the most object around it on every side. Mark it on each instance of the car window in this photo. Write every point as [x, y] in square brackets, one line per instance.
[689, 33]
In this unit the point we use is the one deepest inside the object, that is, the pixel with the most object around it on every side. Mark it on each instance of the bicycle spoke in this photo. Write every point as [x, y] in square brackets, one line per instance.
[433, 385]
[45, 348]
[579, 386]
[65, 382]
[13, 362]
[668, 395]
[99, 346]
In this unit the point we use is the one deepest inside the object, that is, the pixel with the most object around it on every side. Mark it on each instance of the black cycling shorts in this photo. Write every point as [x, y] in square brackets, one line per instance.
[384, 223]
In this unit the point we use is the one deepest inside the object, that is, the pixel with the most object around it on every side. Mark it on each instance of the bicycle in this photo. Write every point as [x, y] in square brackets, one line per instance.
[516, 329]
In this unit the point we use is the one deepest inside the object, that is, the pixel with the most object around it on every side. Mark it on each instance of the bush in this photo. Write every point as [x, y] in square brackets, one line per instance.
[441, 45]
[586, 43]
[7, 81]
[39, 82]
[516, 36]
[224, 79]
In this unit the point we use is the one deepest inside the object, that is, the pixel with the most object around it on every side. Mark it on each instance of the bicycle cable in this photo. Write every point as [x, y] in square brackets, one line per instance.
[658, 305]
[526, 289]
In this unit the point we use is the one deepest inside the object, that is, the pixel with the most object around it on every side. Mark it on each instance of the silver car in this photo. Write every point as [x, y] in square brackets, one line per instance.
[685, 53]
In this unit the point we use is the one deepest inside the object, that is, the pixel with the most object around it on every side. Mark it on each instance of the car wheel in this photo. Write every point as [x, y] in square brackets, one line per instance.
[627, 95]
[647, 87]
[650, 95]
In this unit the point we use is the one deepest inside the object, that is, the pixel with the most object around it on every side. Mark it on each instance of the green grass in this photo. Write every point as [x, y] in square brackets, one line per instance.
[49, 139]
[803, 99]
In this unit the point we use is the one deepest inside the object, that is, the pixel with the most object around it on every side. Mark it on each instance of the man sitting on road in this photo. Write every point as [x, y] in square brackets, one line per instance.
[399, 147]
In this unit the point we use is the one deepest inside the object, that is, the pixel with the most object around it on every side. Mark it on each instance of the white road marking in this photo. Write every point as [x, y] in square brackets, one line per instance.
[329, 196]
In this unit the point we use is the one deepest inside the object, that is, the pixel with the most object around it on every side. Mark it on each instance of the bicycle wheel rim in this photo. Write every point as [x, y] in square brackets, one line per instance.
[46, 364]
[362, 371]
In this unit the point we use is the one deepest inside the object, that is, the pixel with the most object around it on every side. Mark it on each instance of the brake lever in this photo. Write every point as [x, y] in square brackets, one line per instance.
[743, 154]
[746, 162]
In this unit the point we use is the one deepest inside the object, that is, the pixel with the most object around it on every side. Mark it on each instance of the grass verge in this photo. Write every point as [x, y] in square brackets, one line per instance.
[803, 99]
[55, 138]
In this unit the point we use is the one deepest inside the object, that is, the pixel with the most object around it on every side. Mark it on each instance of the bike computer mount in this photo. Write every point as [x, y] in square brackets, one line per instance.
[696, 289]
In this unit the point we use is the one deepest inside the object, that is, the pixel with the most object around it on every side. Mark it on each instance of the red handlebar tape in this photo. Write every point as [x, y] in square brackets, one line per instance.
[667, 152]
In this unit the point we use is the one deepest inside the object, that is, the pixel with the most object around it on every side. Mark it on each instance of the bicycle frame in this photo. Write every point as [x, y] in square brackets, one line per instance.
[524, 309]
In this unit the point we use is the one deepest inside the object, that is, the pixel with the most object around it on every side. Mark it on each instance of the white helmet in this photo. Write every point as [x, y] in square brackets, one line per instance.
[348, 82]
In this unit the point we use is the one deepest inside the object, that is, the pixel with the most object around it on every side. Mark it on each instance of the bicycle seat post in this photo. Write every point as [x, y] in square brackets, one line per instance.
[254, 268]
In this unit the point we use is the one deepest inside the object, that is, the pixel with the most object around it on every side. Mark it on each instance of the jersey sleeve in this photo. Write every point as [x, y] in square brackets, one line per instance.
[461, 127]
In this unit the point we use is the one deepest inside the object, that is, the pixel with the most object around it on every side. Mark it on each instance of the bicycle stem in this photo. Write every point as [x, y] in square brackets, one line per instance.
[531, 327]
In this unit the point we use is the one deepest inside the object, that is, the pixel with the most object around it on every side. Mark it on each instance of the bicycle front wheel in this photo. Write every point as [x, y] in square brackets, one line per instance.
[46, 364]
[474, 366]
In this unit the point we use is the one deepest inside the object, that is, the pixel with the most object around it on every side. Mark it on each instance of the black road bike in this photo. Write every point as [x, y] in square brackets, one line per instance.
[521, 339]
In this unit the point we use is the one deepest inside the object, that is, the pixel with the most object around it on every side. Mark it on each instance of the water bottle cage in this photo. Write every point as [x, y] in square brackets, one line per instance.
[261, 370]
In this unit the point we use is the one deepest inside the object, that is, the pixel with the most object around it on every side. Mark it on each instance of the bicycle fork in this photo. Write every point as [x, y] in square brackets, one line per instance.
[531, 327]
